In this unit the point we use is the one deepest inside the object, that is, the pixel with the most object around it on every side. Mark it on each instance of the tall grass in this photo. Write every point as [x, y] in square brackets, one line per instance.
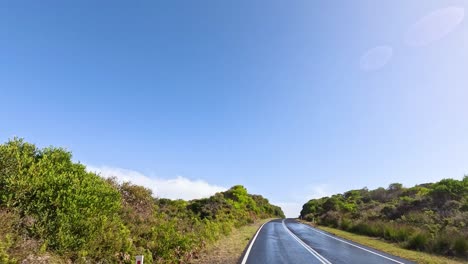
[444, 242]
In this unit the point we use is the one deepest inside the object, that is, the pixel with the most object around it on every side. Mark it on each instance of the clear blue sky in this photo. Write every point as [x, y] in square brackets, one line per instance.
[292, 99]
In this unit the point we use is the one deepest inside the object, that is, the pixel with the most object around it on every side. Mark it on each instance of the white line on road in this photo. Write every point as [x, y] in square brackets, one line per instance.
[246, 256]
[311, 250]
[346, 242]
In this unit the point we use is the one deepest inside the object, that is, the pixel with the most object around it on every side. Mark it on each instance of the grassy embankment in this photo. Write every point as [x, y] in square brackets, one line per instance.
[429, 217]
[229, 249]
[391, 248]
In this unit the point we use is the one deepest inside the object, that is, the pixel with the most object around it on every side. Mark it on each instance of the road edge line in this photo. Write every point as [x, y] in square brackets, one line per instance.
[246, 255]
[307, 247]
[351, 244]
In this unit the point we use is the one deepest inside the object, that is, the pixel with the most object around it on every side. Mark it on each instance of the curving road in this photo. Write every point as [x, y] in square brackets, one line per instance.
[287, 241]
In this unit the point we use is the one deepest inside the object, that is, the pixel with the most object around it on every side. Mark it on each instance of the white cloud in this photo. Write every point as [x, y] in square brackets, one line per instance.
[376, 58]
[434, 26]
[187, 189]
[176, 188]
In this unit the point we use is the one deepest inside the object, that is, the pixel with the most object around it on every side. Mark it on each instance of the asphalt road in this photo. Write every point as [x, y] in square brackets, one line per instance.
[287, 241]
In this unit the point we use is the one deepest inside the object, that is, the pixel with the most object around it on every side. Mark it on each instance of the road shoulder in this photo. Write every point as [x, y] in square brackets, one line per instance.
[229, 249]
[390, 248]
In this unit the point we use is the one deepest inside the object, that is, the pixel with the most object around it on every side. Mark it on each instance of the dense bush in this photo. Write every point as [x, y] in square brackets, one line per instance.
[429, 217]
[67, 208]
[52, 206]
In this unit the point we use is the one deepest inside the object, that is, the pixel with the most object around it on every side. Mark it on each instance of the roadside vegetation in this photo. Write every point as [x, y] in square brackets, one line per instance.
[229, 249]
[53, 210]
[431, 217]
[392, 248]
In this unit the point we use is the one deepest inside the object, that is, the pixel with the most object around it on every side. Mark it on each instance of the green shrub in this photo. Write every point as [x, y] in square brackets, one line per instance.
[461, 246]
[331, 218]
[418, 241]
[345, 224]
[430, 217]
[65, 201]
[403, 233]
[5, 245]
[309, 217]
[390, 233]
[84, 218]
[363, 229]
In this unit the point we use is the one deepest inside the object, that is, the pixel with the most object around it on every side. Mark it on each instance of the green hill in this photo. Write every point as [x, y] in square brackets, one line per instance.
[430, 217]
[54, 210]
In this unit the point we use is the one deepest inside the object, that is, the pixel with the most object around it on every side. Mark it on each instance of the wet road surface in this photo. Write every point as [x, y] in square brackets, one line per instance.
[287, 241]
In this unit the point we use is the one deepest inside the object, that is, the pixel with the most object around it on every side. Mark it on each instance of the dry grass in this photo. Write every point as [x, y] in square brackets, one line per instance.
[391, 248]
[229, 249]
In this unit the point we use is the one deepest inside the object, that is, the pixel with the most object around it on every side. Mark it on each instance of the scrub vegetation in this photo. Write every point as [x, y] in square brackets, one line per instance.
[53, 210]
[230, 249]
[393, 248]
[431, 217]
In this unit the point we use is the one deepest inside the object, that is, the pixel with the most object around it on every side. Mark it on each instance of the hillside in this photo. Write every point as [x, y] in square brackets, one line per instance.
[431, 217]
[53, 210]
